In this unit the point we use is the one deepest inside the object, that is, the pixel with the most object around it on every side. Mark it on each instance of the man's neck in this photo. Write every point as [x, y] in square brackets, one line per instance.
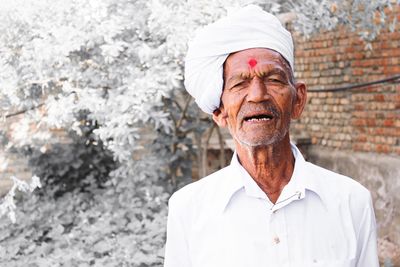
[271, 166]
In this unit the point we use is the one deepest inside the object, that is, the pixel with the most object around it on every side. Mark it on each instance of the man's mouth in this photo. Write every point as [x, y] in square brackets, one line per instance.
[259, 118]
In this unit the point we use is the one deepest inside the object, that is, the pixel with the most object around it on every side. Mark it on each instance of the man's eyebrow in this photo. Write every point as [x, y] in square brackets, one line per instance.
[275, 71]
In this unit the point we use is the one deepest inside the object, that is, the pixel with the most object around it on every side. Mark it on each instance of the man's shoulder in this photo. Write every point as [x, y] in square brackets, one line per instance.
[345, 197]
[201, 190]
[338, 186]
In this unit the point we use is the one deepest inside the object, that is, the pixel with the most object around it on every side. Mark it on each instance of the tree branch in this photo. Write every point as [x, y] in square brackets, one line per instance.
[23, 111]
[185, 108]
[204, 150]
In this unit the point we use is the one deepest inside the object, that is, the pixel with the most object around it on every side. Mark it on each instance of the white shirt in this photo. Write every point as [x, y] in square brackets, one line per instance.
[225, 220]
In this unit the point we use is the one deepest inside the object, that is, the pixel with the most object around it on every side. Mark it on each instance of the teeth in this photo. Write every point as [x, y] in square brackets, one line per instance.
[261, 119]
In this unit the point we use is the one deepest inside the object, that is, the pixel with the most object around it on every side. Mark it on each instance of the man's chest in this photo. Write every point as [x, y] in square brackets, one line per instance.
[249, 234]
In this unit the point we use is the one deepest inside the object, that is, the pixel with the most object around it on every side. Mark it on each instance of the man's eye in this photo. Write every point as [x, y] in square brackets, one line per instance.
[238, 85]
[276, 80]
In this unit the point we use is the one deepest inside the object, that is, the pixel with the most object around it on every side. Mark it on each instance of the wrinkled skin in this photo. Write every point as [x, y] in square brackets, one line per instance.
[257, 104]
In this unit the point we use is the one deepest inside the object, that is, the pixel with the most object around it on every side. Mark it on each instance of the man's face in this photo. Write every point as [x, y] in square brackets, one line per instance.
[259, 98]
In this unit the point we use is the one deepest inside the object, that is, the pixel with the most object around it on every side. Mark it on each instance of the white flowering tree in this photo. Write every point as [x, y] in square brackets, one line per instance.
[121, 63]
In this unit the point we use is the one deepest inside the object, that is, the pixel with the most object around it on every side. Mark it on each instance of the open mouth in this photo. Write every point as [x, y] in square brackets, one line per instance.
[259, 118]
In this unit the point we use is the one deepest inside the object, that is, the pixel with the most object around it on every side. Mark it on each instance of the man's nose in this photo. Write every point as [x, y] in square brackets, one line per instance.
[257, 91]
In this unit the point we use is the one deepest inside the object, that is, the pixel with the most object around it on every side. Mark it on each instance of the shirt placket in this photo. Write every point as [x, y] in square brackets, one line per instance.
[279, 237]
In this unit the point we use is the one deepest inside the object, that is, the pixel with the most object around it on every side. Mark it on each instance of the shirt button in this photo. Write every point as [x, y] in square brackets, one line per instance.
[276, 240]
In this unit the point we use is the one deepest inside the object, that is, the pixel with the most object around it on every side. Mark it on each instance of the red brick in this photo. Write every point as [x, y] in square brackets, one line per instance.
[359, 122]
[361, 138]
[382, 148]
[358, 55]
[358, 72]
[396, 69]
[379, 98]
[350, 49]
[391, 115]
[367, 147]
[388, 122]
[357, 147]
[371, 122]
[359, 107]
[378, 131]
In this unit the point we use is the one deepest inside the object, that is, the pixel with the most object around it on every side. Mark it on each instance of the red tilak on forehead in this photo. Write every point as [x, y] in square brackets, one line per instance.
[252, 62]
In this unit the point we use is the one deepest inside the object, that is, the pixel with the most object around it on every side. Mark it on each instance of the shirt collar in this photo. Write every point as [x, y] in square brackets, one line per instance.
[305, 178]
[302, 179]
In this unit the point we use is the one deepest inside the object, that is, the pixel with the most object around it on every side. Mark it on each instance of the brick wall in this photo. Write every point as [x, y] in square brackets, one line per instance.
[365, 119]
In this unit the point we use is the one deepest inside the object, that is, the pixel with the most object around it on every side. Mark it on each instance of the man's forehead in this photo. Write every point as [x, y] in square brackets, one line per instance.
[251, 58]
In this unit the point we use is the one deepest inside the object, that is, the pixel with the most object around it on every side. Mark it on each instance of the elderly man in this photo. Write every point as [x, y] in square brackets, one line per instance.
[269, 207]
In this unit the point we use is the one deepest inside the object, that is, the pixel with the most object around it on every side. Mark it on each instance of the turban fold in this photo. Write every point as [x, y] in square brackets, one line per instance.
[248, 27]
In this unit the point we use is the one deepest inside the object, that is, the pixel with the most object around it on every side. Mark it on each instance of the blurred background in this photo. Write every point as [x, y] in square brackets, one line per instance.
[97, 131]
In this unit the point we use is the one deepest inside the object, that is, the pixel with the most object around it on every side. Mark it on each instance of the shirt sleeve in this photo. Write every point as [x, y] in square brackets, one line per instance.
[176, 248]
[367, 242]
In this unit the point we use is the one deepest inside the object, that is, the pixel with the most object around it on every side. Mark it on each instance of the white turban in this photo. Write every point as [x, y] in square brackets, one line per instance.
[249, 27]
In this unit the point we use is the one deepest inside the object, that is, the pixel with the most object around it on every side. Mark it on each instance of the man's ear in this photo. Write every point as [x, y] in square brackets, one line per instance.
[220, 117]
[300, 100]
